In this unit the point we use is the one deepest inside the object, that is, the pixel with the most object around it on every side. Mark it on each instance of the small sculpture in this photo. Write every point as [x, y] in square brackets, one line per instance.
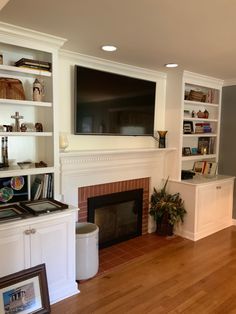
[37, 90]
[4, 152]
[17, 117]
[39, 127]
[9, 128]
[23, 127]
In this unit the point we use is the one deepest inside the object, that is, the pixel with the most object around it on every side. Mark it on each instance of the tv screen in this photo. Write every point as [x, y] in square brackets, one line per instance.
[112, 104]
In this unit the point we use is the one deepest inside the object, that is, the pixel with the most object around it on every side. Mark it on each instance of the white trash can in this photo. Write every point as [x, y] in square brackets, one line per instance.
[86, 250]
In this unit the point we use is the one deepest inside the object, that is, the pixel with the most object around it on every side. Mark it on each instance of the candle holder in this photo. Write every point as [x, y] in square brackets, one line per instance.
[162, 138]
[63, 141]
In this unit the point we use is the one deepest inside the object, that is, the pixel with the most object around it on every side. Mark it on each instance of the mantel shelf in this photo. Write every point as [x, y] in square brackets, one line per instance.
[114, 151]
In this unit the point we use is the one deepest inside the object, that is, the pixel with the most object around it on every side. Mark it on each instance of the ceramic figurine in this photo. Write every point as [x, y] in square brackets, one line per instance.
[37, 90]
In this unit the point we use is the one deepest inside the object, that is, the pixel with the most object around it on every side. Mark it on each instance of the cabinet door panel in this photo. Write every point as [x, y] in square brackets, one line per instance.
[206, 207]
[224, 201]
[14, 248]
[53, 243]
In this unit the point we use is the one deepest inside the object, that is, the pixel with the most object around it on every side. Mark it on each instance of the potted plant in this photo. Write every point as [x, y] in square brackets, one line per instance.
[167, 210]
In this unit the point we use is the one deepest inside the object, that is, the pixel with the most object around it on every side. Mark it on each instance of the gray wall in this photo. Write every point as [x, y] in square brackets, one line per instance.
[227, 152]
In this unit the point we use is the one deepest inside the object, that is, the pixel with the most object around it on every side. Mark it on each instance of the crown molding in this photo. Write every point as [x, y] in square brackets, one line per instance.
[230, 82]
[203, 80]
[29, 38]
[112, 66]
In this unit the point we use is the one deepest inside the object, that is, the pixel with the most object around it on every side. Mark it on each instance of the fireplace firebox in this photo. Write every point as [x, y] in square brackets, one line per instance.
[118, 215]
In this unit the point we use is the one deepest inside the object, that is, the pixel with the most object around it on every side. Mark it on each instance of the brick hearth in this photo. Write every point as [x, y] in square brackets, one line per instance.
[101, 189]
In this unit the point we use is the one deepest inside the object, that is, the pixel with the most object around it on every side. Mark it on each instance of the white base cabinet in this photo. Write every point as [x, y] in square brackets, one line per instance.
[208, 203]
[47, 239]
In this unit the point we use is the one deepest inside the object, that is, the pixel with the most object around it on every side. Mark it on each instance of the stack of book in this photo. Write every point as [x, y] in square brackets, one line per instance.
[42, 187]
[203, 128]
[34, 64]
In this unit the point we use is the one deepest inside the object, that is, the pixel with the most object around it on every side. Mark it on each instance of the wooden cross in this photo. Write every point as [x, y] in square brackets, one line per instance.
[17, 117]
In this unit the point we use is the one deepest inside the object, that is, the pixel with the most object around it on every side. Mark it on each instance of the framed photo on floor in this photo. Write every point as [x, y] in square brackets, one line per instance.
[25, 292]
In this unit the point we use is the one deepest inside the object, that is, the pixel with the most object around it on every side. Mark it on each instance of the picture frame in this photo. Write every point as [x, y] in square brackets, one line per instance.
[199, 167]
[25, 292]
[13, 189]
[43, 206]
[186, 151]
[187, 127]
[210, 169]
[194, 150]
[12, 212]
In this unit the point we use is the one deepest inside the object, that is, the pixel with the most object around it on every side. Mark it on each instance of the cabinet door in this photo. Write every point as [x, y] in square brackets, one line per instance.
[206, 209]
[224, 201]
[14, 248]
[53, 243]
[215, 206]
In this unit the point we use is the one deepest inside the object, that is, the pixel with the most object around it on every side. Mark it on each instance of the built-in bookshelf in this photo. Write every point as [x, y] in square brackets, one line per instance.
[200, 120]
[29, 144]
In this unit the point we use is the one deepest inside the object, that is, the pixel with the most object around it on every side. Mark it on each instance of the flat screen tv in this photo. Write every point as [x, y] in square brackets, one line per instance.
[112, 104]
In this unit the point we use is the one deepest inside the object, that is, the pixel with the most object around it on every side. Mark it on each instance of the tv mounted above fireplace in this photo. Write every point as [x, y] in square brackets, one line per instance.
[113, 104]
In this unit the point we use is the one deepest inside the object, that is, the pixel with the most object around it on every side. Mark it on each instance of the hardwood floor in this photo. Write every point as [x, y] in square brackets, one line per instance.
[179, 277]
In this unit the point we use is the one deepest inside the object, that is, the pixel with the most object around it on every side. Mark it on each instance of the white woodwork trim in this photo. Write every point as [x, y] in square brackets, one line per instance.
[111, 66]
[29, 38]
[202, 80]
[230, 82]
[234, 222]
[85, 168]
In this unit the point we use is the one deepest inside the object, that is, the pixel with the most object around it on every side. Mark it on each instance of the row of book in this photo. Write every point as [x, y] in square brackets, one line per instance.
[42, 186]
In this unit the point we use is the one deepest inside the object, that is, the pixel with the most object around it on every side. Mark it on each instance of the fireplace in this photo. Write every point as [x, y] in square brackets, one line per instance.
[118, 215]
[89, 173]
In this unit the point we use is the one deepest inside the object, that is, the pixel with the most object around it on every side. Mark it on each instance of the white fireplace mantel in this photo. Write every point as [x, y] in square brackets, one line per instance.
[91, 167]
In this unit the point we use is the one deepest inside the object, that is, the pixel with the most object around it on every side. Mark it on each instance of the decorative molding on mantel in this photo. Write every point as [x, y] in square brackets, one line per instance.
[91, 167]
[85, 160]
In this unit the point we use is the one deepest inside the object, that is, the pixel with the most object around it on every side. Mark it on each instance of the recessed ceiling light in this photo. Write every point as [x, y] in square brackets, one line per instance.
[109, 48]
[171, 65]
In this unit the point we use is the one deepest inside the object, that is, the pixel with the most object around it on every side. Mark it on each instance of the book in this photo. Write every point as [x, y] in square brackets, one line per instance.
[204, 145]
[36, 64]
[36, 188]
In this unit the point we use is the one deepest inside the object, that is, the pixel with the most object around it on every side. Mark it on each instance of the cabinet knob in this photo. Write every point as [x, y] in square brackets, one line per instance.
[33, 230]
[218, 187]
[27, 232]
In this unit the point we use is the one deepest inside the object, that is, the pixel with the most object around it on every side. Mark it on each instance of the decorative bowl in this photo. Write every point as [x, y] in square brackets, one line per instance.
[24, 164]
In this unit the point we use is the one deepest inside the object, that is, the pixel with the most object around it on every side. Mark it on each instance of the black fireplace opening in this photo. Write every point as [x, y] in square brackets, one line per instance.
[118, 216]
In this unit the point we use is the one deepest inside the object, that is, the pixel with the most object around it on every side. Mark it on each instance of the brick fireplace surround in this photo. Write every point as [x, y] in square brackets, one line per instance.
[93, 172]
[108, 188]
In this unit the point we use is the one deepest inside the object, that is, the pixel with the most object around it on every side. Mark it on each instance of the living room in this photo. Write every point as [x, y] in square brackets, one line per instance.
[101, 159]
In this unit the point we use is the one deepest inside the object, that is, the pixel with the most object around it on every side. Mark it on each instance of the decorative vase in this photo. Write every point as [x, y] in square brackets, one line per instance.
[164, 228]
[37, 90]
[162, 138]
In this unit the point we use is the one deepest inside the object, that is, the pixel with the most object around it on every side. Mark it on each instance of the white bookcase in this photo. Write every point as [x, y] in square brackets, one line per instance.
[200, 94]
[17, 43]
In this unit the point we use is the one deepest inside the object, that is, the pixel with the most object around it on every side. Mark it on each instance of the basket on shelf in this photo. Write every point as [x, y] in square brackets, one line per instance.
[11, 88]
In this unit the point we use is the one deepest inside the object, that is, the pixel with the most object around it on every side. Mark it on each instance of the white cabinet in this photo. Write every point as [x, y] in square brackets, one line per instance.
[47, 239]
[200, 119]
[208, 203]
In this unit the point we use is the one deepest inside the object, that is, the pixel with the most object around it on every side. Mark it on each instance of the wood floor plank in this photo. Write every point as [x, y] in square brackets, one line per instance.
[180, 277]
